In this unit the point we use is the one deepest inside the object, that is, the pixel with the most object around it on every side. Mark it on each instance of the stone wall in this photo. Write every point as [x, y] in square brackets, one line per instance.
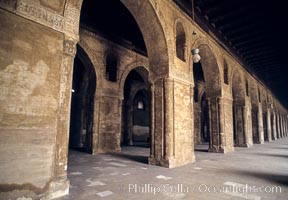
[29, 87]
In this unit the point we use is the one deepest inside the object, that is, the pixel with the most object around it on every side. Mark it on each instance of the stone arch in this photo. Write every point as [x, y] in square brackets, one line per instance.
[213, 90]
[180, 40]
[256, 111]
[247, 87]
[82, 102]
[153, 34]
[94, 61]
[226, 72]
[211, 70]
[133, 120]
[148, 21]
[112, 65]
[238, 94]
[128, 69]
[237, 87]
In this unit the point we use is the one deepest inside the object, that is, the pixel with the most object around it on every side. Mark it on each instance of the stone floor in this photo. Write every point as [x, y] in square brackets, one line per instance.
[248, 173]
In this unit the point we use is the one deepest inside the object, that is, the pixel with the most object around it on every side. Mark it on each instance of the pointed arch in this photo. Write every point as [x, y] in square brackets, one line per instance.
[211, 71]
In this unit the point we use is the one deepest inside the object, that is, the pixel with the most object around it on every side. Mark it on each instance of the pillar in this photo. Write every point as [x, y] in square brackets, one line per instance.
[274, 127]
[278, 126]
[281, 125]
[260, 124]
[268, 118]
[172, 132]
[217, 142]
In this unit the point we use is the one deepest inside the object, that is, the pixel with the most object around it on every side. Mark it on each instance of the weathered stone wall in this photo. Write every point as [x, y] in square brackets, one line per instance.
[35, 78]
[183, 128]
[29, 87]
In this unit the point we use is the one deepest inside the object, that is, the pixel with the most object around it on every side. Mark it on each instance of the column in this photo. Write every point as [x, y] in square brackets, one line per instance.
[216, 120]
[260, 124]
[168, 118]
[269, 125]
[278, 126]
[60, 181]
[274, 127]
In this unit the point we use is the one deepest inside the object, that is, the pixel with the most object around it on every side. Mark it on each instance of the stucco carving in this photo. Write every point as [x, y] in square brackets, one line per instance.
[67, 24]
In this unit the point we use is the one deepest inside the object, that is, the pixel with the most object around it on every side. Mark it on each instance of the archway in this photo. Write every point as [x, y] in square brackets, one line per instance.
[201, 110]
[207, 101]
[82, 104]
[256, 113]
[265, 117]
[136, 110]
[238, 93]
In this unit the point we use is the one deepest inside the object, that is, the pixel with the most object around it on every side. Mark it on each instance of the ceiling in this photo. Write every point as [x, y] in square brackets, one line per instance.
[254, 31]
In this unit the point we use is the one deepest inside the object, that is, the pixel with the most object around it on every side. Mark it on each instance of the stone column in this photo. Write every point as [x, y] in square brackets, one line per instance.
[168, 118]
[245, 125]
[281, 125]
[268, 118]
[60, 183]
[278, 126]
[162, 151]
[274, 127]
[286, 126]
[197, 122]
[286, 130]
[216, 120]
[172, 132]
[130, 124]
[260, 124]
[152, 124]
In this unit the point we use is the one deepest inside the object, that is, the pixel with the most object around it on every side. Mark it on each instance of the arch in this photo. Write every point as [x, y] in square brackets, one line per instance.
[180, 40]
[247, 87]
[82, 102]
[82, 44]
[238, 94]
[225, 72]
[238, 88]
[153, 34]
[111, 69]
[256, 112]
[150, 26]
[211, 71]
[134, 119]
[128, 69]
[254, 93]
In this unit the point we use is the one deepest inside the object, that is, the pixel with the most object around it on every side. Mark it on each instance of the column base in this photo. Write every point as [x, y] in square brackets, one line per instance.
[172, 163]
[219, 150]
[57, 188]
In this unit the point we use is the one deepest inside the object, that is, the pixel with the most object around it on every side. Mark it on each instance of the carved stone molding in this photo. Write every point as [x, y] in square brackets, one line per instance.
[69, 47]
[71, 20]
[40, 14]
[67, 24]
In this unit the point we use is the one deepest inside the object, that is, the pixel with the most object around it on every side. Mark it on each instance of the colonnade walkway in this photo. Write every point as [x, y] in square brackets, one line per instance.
[260, 172]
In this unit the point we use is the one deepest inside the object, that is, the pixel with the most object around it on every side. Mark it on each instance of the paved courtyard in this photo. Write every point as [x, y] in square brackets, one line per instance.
[260, 172]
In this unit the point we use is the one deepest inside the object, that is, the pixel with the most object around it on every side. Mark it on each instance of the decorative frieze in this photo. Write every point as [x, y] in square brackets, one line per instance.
[71, 17]
[67, 24]
[40, 14]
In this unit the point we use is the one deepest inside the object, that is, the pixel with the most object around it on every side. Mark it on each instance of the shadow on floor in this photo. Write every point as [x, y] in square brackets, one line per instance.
[201, 147]
[272, 155]
[136, 158]
[276, 178]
